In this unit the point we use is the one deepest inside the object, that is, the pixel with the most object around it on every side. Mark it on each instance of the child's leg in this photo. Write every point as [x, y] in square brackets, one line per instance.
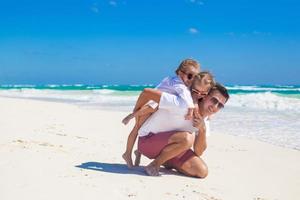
[137, 159]
[140, 122]
[130, 142]
[147, 95]
[126, 120]
[142, 111]
[133, 134]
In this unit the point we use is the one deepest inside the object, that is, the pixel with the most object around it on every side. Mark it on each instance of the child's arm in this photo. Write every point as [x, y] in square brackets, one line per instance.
[144, 110]
[184, 93]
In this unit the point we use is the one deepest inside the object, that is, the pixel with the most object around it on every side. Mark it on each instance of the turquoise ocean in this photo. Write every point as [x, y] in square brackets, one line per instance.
[268, 113]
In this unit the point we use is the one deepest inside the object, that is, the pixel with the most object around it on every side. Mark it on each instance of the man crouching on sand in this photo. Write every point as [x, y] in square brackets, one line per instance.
[167, 137]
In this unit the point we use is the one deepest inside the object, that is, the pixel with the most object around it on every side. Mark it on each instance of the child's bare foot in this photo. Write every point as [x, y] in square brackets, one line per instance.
[152, 170]
[127, 118]
[137, 158]
[127, 157]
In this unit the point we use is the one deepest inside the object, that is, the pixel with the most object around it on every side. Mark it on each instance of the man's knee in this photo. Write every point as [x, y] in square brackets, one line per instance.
[202, 171]
[187, 140]
[195, 167]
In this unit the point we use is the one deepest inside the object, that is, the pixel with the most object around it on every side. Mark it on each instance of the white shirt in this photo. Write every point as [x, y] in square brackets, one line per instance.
[168, 117]
[174, 85]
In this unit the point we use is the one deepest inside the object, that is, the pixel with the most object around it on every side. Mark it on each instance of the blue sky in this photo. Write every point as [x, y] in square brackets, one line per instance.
[140, 42]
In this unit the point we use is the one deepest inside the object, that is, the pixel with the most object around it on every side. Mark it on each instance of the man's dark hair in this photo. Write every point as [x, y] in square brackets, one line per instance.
[219, 87]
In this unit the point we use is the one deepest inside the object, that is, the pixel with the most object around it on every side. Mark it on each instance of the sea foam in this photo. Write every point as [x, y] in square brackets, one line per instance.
[265, 101]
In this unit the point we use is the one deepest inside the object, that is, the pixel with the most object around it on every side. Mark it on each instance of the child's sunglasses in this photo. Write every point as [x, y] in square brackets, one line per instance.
[199, 92]
[190, 76]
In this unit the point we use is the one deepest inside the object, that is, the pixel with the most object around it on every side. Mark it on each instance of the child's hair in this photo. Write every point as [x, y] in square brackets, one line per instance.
[187, 62]
[206, 74]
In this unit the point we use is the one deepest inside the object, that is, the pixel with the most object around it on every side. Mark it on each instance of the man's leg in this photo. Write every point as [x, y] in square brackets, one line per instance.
[194, 167]
[177, 143]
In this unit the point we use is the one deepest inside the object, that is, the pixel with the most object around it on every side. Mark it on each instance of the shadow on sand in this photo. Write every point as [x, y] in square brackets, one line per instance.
[117, 168]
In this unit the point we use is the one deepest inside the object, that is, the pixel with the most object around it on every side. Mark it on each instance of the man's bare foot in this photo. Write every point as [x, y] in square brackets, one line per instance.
[128, 159]
[167, 166]
[152, 170]
[127, 118]
[137, 158]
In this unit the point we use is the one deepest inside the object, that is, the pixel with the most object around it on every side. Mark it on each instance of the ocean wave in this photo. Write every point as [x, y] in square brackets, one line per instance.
[286, 86]
[103, 91]
[98, 96]
[107, 96]
[264, 88]
[139, 87]
[45, 94]
[11, 86]
[265, 101]
[53, 86]
[93, 87]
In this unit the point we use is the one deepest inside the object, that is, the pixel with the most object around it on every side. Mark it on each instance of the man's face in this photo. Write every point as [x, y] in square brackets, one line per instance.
[212, 103]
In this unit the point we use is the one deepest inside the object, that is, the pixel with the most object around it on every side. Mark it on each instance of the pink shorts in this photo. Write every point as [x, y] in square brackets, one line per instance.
[152, 144]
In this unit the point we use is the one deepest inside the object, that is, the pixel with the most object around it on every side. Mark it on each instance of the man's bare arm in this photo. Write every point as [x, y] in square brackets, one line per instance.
[147, 95]
[200, 140]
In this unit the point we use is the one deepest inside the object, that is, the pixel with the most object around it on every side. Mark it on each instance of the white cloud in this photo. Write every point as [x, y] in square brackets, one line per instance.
[95, 8]
[255, 32]
[113, 3]
[199, 2]
[230, 33]
[193, 30]
[248, 34]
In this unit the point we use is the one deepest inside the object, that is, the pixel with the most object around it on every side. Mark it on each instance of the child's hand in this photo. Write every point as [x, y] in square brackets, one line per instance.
[189, 115]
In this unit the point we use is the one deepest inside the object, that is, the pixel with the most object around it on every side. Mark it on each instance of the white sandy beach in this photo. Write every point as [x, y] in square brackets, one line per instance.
[54, 150]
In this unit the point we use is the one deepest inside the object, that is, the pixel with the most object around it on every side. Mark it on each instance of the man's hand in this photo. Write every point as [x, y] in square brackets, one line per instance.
[200, 140]
[199, 123]
[196, 112]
